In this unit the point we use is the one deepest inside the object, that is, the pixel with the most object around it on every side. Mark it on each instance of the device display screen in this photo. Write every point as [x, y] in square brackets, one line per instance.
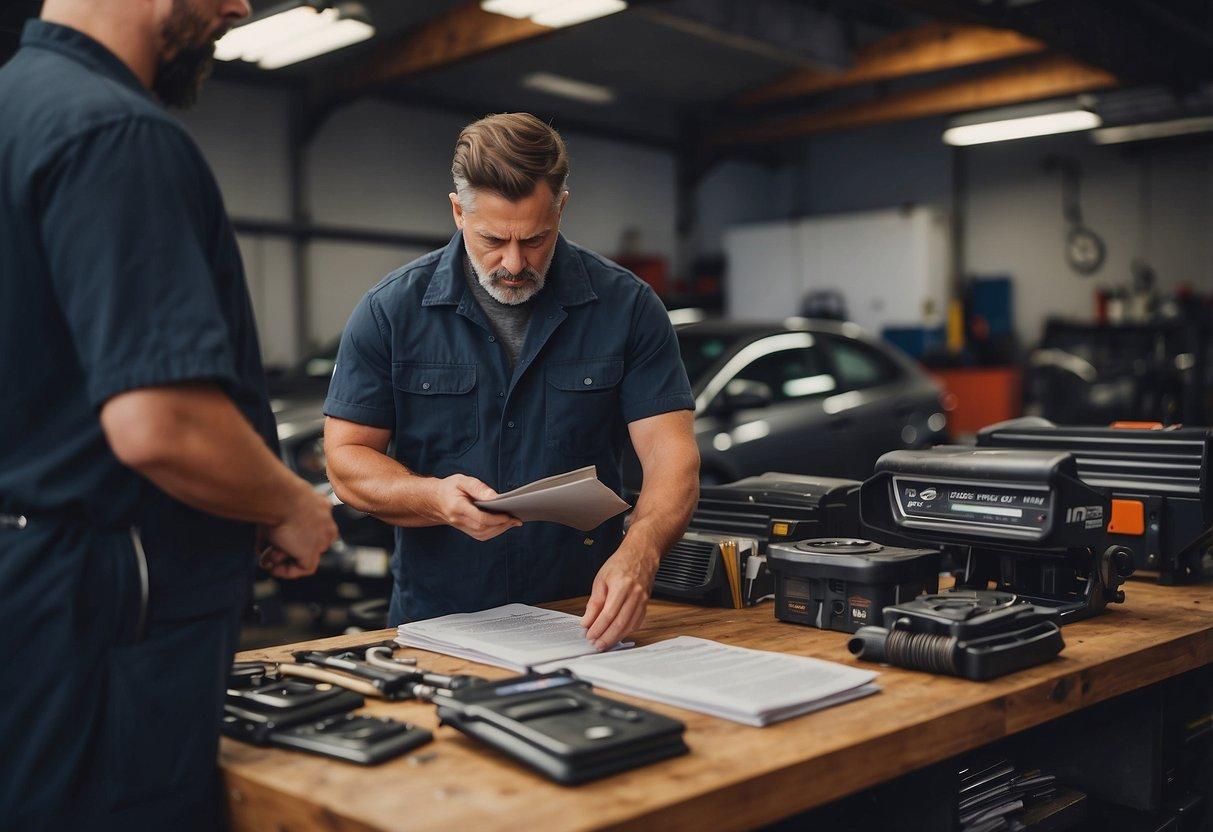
[974, 503]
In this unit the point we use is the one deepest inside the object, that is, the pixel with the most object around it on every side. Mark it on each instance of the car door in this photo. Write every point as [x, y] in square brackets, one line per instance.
[872, 412]
[789, 434]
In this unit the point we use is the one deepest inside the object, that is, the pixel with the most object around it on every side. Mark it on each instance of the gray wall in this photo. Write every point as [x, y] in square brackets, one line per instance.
[381, 166]
[1150, 202]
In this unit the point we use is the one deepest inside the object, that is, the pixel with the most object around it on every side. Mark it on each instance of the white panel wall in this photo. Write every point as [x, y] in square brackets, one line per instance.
[890, 266]
[764, 278]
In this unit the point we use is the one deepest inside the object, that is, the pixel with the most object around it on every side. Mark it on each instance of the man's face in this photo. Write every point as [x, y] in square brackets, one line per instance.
[188, 31]
[511, 244]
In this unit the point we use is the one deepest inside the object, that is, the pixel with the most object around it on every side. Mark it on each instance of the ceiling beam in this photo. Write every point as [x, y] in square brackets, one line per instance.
[464, 32]
[927, 48]
[1032, 80]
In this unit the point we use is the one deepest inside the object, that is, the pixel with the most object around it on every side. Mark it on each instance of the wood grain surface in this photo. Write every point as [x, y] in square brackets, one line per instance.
[735, 777]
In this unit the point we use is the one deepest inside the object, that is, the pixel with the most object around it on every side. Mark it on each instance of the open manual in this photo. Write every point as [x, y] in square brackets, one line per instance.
[753, 687]
[515, 636]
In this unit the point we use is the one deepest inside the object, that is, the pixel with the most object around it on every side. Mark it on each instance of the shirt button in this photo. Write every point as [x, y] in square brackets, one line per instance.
[509, 424]
[500, 395]
[425, 386]
[492, 338]
[587, 381]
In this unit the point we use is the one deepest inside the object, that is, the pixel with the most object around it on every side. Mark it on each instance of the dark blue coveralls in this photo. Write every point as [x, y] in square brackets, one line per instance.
[419, 358]
[119, 606]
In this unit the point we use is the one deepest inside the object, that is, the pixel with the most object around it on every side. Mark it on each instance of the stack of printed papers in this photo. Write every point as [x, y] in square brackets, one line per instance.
[753, 687]
[515, 636]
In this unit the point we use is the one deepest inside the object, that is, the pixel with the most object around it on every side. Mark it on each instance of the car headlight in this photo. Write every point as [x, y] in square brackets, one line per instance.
[310, 461]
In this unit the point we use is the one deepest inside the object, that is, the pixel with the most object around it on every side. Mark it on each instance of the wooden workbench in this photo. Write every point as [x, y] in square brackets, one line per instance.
[735, 777]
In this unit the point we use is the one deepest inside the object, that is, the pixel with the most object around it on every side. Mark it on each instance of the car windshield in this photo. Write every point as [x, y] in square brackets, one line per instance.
[700, 351]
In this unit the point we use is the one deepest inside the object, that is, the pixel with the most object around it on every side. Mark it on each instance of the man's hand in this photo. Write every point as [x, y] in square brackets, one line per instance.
[619, 599]
[452, 505]
[299, 540]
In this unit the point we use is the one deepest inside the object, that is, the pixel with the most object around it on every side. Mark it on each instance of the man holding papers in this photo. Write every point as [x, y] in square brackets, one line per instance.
[509, 356]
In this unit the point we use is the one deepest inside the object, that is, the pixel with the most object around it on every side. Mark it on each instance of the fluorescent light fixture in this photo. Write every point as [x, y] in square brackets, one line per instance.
[340, 34]
[554, 13]
[1153, 130]
[569, 88]
[296, 32]
[517, 8]
[572, 12]
[1043, 118]
[1068, 121]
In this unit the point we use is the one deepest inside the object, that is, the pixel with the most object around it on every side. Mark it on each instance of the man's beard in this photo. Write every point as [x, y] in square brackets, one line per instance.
[511, 295]
[179, 78]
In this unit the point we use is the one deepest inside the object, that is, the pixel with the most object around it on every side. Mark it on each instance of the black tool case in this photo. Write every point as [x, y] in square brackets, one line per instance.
[557, 725]
[1164, 470]
[844, 583]
[774, 507]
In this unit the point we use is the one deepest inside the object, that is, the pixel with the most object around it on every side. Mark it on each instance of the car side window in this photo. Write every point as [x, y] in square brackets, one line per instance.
[860, 366]
[791, 374]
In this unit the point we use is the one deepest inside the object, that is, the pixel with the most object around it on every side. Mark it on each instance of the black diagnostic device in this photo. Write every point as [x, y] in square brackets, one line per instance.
[313, 717]
[1027, 524]
[1162, 500]
[839, 583]
[974, 634]
[557, 725]
[286, 702]
[365, 740]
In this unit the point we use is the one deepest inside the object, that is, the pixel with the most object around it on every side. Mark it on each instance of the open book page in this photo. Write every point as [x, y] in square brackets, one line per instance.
[515, 636]
[754, 687]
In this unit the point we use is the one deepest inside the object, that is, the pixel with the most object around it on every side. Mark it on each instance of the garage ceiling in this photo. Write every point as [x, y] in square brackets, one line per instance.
[730, 74]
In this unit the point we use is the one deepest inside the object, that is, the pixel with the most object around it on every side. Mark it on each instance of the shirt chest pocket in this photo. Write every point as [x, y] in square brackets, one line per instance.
[582, 404]
[435, 410]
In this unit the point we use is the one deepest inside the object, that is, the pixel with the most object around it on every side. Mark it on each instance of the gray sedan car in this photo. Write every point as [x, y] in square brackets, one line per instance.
[801, 396]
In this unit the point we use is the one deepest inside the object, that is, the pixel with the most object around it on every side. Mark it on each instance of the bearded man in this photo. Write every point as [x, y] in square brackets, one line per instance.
[508, 356]
[137, 447]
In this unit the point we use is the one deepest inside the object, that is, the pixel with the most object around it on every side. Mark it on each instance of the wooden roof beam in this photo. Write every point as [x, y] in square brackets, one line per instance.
[1033, 80]
[462, 33]
[928, 48]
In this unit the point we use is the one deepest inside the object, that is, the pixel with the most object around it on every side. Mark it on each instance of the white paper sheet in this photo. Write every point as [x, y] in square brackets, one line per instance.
[515, 636]
[576, 498]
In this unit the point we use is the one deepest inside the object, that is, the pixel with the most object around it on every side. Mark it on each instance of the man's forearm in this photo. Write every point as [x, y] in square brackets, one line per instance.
[372, 482]
[195, 445]
[667, 500]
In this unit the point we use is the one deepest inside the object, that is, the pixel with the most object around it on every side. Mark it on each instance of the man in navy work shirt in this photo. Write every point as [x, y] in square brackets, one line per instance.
[137, 448]
[508, 356]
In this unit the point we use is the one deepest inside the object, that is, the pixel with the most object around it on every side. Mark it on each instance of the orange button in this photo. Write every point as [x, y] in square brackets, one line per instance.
[1128, 517]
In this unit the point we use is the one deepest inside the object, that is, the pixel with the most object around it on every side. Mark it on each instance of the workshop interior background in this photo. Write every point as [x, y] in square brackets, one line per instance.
[751, 160]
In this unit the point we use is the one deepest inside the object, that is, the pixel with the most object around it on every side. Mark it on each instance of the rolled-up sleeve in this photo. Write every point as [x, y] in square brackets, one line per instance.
[654, 379]
[361, 388]
[125, 239]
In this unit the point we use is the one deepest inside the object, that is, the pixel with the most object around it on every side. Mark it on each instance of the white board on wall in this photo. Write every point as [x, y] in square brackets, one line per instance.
[889, 265]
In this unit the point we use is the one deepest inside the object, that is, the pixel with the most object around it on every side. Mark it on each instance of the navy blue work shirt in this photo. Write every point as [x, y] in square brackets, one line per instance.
[118, 270]
[419, 358]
